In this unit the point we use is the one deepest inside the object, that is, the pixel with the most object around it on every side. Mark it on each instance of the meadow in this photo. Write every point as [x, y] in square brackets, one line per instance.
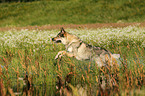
[31, 52]
[54, 12]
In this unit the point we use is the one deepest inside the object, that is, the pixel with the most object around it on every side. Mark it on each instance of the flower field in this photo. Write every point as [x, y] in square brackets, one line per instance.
[102, 36]
[31, 52]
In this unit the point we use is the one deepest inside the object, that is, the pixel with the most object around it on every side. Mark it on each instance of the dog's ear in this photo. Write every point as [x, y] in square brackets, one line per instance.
[62, 30]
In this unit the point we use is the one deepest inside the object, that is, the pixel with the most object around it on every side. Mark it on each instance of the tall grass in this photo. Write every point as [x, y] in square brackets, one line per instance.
[31, 52]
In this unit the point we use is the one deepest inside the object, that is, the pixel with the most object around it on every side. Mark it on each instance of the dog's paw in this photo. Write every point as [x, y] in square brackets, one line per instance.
[56, 57]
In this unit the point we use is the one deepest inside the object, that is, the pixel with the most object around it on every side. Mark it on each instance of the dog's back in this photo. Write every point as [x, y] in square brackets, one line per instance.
[83, 51]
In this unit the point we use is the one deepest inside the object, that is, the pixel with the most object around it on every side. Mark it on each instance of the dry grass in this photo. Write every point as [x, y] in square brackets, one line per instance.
[75, 26]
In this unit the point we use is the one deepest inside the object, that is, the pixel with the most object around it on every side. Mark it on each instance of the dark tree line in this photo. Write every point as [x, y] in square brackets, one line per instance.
[2, 1]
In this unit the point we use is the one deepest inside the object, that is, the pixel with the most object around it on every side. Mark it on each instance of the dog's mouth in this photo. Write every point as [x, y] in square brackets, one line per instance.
[56, 40]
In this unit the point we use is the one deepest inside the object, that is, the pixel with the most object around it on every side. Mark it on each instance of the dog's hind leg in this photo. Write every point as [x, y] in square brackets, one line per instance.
[99, 62]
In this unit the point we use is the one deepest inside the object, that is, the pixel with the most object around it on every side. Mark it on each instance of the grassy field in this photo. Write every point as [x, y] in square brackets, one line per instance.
[31, 52]
[71, 12]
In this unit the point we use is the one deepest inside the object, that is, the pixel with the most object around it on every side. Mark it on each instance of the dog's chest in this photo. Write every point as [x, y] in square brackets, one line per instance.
[70, 49]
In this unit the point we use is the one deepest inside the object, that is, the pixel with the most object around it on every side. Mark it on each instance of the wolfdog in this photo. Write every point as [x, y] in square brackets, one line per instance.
[75, 47]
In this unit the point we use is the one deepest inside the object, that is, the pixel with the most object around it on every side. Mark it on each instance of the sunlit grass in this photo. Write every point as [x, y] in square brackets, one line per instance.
[45, 12]
[32, 52]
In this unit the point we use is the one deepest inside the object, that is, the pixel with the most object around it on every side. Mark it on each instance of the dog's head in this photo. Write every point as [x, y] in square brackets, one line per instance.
[61, 37]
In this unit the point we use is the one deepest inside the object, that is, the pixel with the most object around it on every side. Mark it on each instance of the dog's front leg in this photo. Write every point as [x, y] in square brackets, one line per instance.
[60, 54]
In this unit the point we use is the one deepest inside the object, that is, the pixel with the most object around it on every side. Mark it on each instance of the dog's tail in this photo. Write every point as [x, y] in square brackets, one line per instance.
[116, 56]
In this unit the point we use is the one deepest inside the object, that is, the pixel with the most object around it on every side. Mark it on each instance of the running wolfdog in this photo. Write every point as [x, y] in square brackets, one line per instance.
[75, 47]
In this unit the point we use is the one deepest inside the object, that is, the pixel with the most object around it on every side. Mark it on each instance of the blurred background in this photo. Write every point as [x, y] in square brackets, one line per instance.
[54, 12]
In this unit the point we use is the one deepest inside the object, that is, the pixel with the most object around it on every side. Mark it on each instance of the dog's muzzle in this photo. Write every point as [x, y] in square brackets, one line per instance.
[56, 41]
[53, 39]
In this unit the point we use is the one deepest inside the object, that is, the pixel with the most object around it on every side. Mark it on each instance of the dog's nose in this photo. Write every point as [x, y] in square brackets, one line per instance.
[52, 39]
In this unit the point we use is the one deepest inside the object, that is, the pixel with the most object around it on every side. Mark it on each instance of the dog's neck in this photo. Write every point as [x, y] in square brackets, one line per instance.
[73, 41]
